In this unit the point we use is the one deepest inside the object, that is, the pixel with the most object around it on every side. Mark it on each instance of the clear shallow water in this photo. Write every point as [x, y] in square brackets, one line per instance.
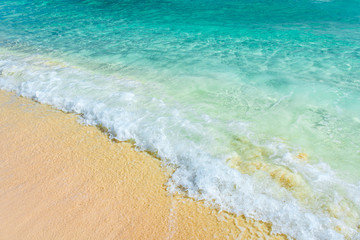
[256, 104]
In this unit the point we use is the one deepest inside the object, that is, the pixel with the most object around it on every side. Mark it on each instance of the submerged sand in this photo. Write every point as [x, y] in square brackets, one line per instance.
[63, 180]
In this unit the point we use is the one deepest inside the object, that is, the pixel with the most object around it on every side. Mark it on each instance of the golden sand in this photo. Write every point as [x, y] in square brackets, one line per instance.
[62, 180]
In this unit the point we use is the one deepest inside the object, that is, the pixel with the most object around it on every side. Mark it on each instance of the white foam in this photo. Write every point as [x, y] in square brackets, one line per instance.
[129, 112]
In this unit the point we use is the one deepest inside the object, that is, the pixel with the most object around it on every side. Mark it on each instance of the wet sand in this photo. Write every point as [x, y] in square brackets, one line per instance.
[63, 180]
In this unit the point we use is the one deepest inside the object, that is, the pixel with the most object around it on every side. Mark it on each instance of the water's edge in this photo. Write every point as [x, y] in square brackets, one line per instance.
[248, 188]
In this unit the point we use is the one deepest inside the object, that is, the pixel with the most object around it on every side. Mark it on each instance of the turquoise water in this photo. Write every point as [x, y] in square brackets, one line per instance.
[255, 104]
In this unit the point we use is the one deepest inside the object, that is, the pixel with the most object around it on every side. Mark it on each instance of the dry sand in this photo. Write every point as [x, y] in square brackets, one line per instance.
[62, 180]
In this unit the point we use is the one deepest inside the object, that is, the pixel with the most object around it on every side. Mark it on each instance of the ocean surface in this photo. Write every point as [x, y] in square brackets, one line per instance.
[254, 104]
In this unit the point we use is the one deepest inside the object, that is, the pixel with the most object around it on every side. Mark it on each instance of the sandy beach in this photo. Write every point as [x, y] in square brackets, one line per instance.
[63, 180]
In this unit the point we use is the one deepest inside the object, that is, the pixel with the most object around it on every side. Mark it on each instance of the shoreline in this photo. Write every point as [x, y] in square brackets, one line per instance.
[64, 180]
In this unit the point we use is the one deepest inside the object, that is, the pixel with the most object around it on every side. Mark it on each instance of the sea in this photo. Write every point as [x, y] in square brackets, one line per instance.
[254, 105]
